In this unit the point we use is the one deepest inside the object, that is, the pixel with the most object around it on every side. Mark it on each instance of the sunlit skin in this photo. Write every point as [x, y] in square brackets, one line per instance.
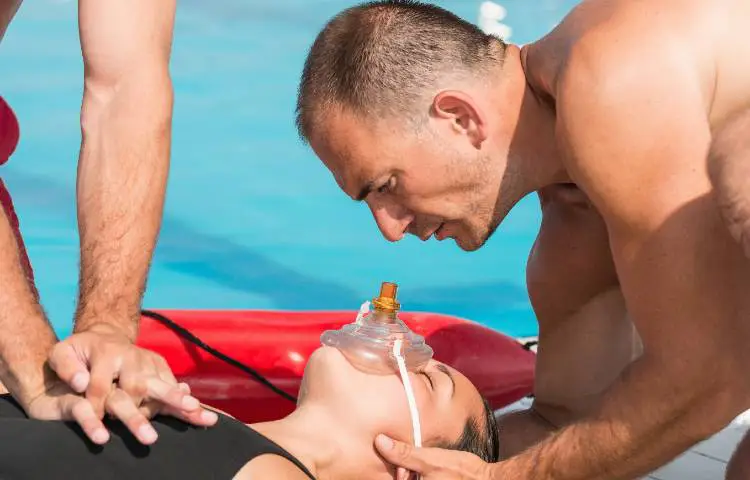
[443, 182]
[633, 261]
[341, 410]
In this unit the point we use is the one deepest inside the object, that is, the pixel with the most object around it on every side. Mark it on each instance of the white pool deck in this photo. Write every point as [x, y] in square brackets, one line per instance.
[706, 461]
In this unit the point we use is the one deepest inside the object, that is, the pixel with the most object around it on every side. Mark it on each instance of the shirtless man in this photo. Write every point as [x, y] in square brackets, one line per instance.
[126, 119]
[640, 291]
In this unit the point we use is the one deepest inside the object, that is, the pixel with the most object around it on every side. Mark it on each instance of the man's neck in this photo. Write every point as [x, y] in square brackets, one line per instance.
[534, 146]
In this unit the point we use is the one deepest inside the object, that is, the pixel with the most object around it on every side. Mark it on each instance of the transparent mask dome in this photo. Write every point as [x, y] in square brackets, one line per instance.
[368, 342]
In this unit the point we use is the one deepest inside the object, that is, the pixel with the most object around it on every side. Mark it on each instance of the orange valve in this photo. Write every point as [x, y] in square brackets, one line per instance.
[386, 301]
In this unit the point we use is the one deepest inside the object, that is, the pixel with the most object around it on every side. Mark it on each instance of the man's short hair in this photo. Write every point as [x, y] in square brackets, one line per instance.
[383, 57]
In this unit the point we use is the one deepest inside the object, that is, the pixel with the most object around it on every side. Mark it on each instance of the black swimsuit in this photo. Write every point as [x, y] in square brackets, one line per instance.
[37, 449]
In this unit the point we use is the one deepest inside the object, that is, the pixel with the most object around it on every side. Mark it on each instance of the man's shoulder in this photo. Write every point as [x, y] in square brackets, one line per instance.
[602, 66]
[614, 97]
[613, 49]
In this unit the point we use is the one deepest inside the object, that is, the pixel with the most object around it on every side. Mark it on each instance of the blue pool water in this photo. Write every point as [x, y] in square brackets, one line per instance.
[252, 220]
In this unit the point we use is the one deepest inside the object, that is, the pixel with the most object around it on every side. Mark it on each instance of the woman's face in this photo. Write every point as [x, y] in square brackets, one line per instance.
[374, 404]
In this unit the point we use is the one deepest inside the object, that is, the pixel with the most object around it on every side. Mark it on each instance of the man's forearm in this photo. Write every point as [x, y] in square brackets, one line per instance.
[122, 177]
[26, 336]
[644, 422]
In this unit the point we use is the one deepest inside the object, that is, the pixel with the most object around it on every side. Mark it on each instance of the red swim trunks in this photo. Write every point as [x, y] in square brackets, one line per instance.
[9, 135]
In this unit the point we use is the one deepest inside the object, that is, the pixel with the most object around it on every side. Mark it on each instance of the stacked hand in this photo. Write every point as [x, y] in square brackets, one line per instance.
[100, 371]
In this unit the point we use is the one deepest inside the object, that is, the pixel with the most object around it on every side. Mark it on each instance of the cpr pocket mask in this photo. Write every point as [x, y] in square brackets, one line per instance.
[378, 342]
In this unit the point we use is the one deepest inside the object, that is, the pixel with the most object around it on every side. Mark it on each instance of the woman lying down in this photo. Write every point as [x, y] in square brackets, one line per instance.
[329, 435]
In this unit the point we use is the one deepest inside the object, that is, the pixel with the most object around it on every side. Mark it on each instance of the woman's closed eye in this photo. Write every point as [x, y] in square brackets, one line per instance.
[429, 379]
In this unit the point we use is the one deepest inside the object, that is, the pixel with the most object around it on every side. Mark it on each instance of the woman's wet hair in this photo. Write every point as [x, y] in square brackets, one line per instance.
[481, 440]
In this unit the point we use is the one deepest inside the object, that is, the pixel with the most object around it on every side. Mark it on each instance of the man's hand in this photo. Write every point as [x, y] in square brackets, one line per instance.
[92, 361]
[59, 402]
[431, 463]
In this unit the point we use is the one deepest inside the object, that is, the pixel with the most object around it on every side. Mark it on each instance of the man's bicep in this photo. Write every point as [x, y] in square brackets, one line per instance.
[121, 38]
[683, 283]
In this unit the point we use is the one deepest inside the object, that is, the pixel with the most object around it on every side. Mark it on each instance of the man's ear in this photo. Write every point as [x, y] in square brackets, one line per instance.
[465, 116]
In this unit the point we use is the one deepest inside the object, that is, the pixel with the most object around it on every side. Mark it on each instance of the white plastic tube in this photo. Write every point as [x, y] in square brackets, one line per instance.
[363, 309]
[416, 427]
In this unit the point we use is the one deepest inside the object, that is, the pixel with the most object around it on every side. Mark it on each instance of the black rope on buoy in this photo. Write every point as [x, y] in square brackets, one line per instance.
[187, 335]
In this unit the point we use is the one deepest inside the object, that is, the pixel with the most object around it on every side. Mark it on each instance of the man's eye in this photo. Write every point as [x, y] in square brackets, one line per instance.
[388, 186]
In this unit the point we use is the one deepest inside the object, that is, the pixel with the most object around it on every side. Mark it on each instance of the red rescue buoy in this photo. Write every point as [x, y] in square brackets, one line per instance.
[277, 345]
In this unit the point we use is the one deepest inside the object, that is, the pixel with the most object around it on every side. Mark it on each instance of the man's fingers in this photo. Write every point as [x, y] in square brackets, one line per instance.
[163, 369]
[135, 386]
[203, 416]
[71, 369]
[80, 410]
[150, 409]
[121, 406]
[103, 375]
[171, 395]
[188, 409]
[430, 462]
[163, 400]
[200, 418]
[400, 454]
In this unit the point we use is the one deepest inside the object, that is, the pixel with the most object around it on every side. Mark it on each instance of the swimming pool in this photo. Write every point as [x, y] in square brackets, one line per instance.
[252, 219]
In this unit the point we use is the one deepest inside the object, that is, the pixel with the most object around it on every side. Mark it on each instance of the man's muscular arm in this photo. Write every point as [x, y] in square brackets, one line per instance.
[27, 336]
[126, 121]
[638, 143]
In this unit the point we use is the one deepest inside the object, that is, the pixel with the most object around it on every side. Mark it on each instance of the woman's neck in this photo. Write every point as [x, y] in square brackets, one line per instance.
[321, 442]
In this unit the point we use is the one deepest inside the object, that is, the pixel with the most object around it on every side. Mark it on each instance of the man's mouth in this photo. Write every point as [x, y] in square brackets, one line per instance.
[440, 233]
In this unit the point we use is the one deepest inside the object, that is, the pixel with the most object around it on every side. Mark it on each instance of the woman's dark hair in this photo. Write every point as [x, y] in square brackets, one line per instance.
[481, 440]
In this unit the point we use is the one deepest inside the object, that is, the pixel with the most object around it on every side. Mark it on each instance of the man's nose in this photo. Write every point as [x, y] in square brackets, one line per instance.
[392, 221]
